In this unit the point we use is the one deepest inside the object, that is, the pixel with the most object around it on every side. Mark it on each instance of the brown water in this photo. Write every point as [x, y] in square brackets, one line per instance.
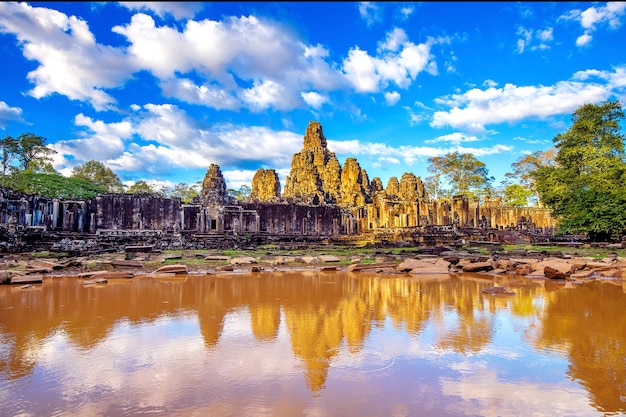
[312, 344]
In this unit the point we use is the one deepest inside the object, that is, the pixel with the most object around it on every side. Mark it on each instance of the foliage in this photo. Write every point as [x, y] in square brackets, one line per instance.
[465, 174]
[99, 174]
[586, 188]
[516, 195]
[9, 147]
[524, 169]
[242, 194]
[185, 192]
[54, 185]
[33, 154]
[141, 187]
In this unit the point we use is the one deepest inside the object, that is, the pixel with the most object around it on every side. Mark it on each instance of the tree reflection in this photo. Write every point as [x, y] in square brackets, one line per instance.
[590, 326]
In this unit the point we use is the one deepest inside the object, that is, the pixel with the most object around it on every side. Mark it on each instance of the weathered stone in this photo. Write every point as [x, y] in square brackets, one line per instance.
[410, 187]
[213, 187]
[393, 187]
[353, 191]
[424, 266]
[243, 260]
[328, 258]
[478, 267]
[172, 269]
[315, 175]
[558, 270]
[523, 269]
[367, 267]
[265, 186]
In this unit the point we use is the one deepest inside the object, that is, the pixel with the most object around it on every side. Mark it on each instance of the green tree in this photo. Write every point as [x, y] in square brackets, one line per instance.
[55, 185]
[516, 195]
[141, 187]
[433, 183]
[185, 192]
[466, 174]
[99, 174]
[586, 188]
[523, 171]
[9, 147]
[33, 154]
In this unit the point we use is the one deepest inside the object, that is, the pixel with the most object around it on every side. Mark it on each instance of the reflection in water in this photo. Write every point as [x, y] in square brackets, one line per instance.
[312, 343]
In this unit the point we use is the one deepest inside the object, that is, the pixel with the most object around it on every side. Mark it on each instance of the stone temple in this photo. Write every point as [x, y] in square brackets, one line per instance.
[322, 201]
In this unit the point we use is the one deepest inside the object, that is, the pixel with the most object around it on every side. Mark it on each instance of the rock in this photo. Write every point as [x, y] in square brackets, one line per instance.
[225, 268]
[372, 266]
[129, 264]
[558, 270]
[107, 274]
[424, 266]
[172, 269]
[328, 258]
[523, 269]
[243, 260]
[478, 267]
[216, 258]
[27, 279]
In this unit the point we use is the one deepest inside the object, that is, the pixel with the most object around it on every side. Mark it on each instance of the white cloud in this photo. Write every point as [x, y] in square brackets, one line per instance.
[406, 11]
[472, 110]
[166, 139]
[208, 95]
[398, 61]
[179, 10]
[382, 154]
[534, 39]
[392, 98]
[273, 65]
[370, 12]
[9, 114]
[456, 138]
[610, 15]
[314, 99]
[64, 45]
[583, 39]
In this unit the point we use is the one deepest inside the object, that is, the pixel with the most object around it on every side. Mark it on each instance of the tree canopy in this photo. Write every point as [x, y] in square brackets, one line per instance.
[99, 174]
[462, 171]
[586, 187]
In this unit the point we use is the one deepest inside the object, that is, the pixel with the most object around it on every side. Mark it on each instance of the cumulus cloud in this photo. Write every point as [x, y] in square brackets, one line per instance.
[398, 61]
[9, 114]
[392, 98]
[456, 138]
[314, 99]
[370, 12]
[273, 64]
[472, 110]
[534, 39]
[178, 10]
[64, 45]
[383, 154]
[591, 18]
[165, 139]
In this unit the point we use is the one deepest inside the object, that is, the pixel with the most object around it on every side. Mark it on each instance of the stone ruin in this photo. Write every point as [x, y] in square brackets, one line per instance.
[322, 202]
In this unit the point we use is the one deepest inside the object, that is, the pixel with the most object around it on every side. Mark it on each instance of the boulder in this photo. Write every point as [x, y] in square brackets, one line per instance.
[243, 260]
[558, 270]
[478, 267]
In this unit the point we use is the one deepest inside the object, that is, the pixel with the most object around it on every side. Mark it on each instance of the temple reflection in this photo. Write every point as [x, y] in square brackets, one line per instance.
[325, 314]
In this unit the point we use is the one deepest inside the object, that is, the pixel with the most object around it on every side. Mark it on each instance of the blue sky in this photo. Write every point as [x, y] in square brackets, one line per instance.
[159, 91]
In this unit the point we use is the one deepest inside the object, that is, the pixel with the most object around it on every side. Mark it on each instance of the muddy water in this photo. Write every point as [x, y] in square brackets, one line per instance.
[312, 344]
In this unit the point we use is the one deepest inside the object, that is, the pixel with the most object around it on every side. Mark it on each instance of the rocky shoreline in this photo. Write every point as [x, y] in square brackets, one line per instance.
[32, 268]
